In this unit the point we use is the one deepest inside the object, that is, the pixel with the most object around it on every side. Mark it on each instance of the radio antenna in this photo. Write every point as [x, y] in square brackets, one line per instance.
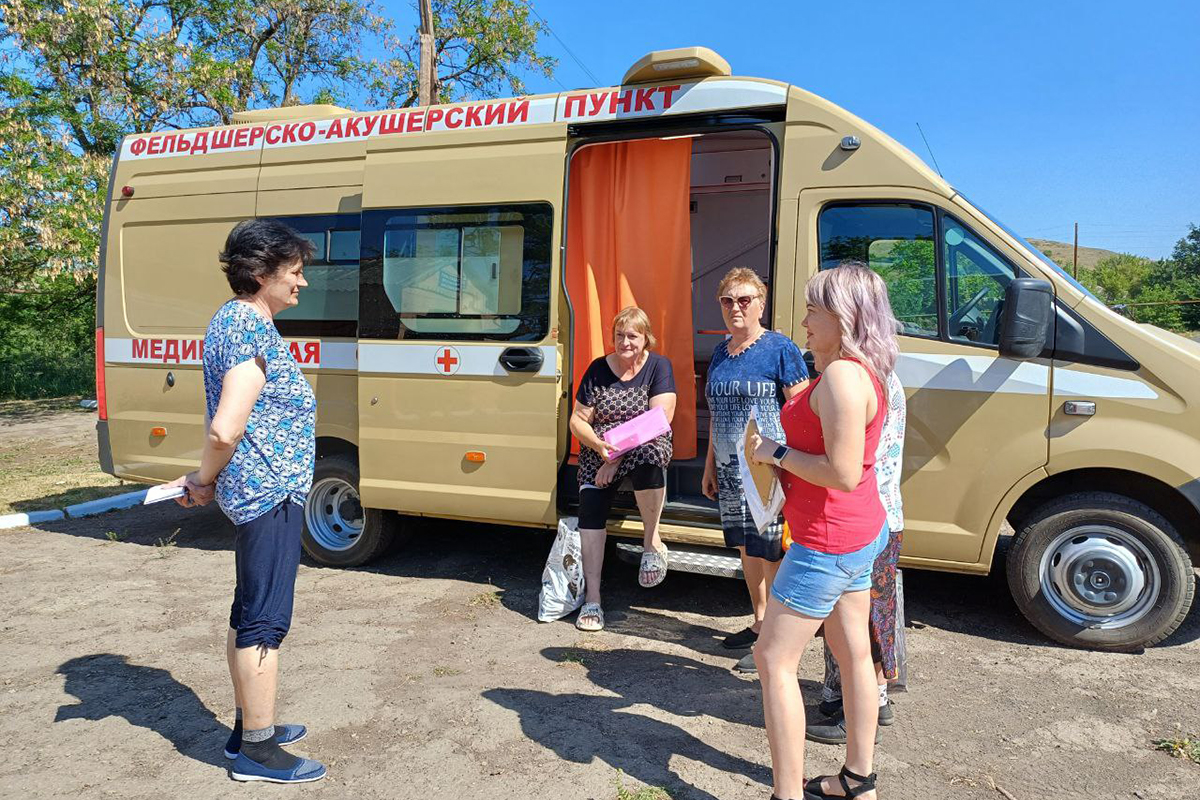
[930, 149]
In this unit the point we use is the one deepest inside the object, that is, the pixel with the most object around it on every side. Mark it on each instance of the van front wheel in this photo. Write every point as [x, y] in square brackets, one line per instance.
[1101, 571]
[338, 531]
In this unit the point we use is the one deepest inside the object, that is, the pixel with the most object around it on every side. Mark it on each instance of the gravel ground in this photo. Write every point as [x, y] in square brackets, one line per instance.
[426, 676]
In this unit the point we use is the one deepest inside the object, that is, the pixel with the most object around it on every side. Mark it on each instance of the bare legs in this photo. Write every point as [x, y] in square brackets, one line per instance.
[650, 506]
[848, 635]
[591, 543]
[785, 635]
[759, 574]
[255, 673]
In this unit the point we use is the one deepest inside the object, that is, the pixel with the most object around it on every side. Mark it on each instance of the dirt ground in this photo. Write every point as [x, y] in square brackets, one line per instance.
[48, 456]
[426, 676]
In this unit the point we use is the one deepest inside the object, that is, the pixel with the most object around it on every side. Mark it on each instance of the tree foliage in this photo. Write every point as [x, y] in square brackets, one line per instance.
[78, 75]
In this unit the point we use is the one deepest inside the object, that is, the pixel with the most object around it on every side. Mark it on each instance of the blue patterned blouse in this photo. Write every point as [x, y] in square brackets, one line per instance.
[274, 460]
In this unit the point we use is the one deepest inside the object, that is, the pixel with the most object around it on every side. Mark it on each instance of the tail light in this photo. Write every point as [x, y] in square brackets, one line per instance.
[101, 398]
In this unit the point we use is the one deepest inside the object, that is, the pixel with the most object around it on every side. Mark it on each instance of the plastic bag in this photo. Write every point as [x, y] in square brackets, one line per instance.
[562, 579]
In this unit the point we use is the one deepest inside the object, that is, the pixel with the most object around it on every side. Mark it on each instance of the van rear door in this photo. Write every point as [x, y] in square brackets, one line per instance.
[459, 360]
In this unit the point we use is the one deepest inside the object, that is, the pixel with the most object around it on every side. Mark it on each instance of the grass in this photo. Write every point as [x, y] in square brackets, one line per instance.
[1185, 747]
[40, 469]
[445, 672]
[113, 536]
[487, 600]
[640, 793]
[164, 547]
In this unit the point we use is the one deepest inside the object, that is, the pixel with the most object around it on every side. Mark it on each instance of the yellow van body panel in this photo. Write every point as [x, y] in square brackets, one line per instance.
[982, 431]
[417, 424]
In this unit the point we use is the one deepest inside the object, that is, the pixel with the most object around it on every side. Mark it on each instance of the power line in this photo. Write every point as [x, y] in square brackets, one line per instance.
[595, 81]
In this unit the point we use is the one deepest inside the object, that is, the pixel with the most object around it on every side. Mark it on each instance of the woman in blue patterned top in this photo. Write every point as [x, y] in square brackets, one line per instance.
[258, 462]
[753, 369]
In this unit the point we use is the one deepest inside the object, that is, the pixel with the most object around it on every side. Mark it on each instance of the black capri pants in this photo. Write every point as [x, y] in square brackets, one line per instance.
[595, 501]
[267, 554]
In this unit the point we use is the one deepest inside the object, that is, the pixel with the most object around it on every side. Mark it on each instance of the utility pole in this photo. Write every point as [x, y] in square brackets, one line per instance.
[427, 80]
[1075, 257]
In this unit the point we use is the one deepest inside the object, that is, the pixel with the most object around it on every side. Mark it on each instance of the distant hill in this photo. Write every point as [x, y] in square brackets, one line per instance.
[1060, 253]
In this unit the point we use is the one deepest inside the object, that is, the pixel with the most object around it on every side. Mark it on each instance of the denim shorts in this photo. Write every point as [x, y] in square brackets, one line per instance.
[811, 582]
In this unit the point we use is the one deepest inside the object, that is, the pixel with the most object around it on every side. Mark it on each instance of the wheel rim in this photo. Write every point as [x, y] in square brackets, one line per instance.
[1099, 576]
[334, 514]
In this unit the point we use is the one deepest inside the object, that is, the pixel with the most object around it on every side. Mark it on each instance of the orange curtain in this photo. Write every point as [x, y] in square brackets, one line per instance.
[629, 244]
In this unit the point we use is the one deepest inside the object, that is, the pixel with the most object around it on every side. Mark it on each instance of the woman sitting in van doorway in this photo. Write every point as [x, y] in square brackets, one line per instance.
[615, 389]
[754, 369]
[258, 461]
[838, 526]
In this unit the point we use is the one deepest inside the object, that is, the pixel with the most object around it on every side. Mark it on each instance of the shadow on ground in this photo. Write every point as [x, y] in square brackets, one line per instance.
[582, 728]
[12, 411]
[107, 685]
[510, 560]
[78, 494]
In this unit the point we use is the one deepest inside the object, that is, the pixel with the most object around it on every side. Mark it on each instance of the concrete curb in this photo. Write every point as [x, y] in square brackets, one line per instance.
[21, 520]
[88, 509]
[114, 503]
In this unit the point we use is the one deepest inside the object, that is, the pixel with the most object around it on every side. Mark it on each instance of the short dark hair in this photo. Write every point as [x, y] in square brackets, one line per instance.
[258, 248]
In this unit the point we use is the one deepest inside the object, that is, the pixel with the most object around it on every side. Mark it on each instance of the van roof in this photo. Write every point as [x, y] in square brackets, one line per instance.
[319, 124]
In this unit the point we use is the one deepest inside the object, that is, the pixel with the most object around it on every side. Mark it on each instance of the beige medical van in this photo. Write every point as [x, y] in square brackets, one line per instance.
[439, 333]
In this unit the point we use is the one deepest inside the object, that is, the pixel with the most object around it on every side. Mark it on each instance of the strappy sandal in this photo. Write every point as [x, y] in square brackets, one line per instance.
[653, 561]
[591, 618]
[865, 784]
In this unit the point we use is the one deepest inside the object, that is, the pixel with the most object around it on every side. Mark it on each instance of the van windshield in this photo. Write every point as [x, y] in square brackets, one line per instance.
[1033, 251]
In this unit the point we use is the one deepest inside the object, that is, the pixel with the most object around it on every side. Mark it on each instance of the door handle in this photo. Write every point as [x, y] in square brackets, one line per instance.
[522, 359]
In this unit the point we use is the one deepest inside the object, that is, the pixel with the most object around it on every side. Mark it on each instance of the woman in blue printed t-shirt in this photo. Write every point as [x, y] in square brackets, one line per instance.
[258, 462]
[753, 369]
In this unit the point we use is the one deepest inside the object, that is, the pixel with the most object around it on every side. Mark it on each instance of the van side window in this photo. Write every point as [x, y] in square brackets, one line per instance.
[329, 304]
[457, 273]
[897, 241]
[976, 278]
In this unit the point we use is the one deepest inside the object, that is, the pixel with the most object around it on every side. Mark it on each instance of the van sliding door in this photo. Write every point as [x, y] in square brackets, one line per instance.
[459, 359]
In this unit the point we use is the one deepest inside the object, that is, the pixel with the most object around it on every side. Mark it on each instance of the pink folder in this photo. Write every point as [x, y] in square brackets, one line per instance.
[637, 431]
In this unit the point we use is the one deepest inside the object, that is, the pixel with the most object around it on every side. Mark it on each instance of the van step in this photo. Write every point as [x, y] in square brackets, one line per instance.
[690, 558]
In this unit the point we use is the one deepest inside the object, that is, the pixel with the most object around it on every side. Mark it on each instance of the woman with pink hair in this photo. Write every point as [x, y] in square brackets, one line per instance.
[838, 526]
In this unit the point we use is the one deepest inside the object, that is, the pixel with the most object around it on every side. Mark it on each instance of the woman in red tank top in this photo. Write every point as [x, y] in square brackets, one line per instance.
[838, 525]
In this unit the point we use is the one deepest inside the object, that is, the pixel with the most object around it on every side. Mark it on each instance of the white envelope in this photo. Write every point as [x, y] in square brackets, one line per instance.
[156, 494]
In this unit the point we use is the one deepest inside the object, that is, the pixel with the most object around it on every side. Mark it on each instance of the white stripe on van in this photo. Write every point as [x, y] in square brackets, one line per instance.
[993, 374]
[309, 354]
[458, 359]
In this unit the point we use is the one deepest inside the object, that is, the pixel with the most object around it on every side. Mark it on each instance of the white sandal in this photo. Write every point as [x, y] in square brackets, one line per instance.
[653, 561]
[594, 616]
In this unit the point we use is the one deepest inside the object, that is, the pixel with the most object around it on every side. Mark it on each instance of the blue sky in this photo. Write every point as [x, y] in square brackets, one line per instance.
[1044, 113]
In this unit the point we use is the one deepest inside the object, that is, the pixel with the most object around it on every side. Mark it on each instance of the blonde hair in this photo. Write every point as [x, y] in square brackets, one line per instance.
[858, 298]
[634, 317]
[739, 275]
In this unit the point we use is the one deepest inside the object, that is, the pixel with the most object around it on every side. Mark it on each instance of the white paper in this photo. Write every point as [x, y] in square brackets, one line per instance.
[156, 494]
[763, 515]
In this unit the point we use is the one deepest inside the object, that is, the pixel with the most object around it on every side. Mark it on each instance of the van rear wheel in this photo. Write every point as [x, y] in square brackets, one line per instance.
[338, 531]
[1101, 571]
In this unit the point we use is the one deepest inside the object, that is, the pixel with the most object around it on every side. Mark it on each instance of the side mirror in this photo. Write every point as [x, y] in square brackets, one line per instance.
[1028, 313]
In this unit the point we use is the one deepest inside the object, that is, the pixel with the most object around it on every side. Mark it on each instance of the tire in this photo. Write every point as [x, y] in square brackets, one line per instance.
[338, 531]
[1100, 571]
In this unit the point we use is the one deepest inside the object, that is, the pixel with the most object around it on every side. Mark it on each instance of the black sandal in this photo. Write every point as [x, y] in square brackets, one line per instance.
[865, 784]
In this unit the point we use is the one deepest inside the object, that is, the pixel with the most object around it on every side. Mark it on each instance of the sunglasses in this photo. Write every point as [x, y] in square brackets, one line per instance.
[743, 302]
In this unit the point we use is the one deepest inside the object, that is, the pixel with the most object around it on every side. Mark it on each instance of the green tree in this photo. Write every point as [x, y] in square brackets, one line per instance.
[1119, 278]
[77, 75]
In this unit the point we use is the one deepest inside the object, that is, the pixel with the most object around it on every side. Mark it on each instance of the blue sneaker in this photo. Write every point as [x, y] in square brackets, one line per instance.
[284, 735]
[305, 771]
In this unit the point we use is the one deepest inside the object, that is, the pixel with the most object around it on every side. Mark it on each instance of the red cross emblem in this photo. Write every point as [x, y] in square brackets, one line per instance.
[447, 360]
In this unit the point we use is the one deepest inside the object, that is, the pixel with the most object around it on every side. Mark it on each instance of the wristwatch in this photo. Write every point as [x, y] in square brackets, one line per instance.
[779, 454]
